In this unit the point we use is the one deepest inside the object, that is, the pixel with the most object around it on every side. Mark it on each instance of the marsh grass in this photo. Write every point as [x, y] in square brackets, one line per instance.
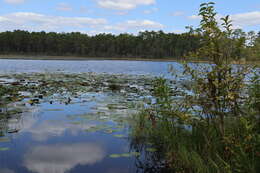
[213, 126]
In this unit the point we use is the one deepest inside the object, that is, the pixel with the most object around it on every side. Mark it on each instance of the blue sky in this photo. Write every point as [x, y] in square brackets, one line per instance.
[119, 16]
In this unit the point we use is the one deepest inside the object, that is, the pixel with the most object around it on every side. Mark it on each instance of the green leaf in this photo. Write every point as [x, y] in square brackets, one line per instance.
[119, 136]
[4, 139]
[4, 149]
[126, 155]
[115, 156]
[136, 154]
[151, 149]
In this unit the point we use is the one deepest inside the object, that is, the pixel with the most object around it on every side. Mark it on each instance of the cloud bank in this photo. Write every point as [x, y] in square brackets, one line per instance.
[123, 4]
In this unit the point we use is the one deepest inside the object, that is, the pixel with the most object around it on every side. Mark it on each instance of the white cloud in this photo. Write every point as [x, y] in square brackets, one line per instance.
[64, 7]
[142, 24]
[37, 22]
[123, 4]
[194, 17]
[61, 158]
[246, 19]
[3, 19]
[177, 13]
[41, 22]
[135, 25]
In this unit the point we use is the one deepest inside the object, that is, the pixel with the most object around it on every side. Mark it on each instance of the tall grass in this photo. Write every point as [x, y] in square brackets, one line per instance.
[213, 125]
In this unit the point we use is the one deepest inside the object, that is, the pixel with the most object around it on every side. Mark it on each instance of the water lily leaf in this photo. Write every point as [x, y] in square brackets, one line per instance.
[149, 143]
[109, 131]
[76, 123]
[4, 149]
[119, 136]
[92, 129]
[4, 139]
[126, 155]
[136, 154]
[151, 149]
[115, 156]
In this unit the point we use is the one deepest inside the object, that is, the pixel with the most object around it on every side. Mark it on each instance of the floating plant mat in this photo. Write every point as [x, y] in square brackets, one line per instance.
[107, 98]
[51, 113]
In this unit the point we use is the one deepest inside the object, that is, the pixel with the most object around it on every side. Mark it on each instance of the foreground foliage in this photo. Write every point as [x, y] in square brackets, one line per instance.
[212, 123]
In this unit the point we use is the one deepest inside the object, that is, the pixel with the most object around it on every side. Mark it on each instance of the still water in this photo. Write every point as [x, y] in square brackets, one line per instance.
[87, 135]
[104, 66]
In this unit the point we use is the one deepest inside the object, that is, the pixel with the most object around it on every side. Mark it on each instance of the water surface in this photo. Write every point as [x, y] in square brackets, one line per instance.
[82, 126]
[100, 66]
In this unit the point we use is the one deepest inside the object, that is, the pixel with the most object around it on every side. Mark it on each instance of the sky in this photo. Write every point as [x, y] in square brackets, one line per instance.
[119, 16]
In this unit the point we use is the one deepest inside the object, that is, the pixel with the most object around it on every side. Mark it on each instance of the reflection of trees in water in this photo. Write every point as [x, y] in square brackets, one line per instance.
[10, 126]
[3, 120]
[3, 127]
[17, 122]
[147, 162]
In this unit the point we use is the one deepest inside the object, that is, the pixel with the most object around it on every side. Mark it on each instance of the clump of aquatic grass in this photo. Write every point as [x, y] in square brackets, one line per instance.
[213, 125]
[192, 144]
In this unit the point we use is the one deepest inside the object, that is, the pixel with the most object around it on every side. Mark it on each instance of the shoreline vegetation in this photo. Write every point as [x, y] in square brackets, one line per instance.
[81, 58]
[212, 124]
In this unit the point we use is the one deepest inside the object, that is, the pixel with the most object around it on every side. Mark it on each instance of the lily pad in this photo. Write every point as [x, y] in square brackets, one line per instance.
[136, 154]
[109, 131]
[115, 156]
[4, 149]
[92, 129]
[4, 139]
[119, 136]
[151, 149]
[126, 155]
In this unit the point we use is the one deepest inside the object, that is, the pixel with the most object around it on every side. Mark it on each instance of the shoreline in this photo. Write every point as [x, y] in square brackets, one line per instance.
[78, 58]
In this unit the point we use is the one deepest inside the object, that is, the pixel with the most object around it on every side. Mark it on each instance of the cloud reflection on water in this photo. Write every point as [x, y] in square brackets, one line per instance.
[60, 158]
[5, 170]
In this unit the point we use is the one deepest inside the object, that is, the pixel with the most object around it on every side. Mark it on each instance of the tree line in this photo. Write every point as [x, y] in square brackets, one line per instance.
[148, 44]
[145, 44]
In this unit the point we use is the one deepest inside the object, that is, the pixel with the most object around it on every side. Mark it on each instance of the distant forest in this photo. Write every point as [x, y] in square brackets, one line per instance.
[148, 44]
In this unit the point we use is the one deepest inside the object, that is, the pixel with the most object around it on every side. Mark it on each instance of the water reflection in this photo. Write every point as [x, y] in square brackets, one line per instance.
[60, 158]
[106, 66]
[5, 170]
[59, 137]
[48, 129]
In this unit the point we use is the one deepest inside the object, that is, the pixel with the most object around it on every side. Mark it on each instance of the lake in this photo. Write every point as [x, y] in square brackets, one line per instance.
[100, 66]
[73, 116]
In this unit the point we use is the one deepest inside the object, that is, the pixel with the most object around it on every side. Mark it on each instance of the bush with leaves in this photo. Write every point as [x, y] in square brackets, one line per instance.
[212, 125]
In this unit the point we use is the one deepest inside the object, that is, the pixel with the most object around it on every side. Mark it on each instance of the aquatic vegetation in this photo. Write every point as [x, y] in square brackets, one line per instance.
[106, 110]
[4, 139]
[213, 125]
[151, 149]
[4, 149]
[131, 154]
[115, 156]
[119, 136]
